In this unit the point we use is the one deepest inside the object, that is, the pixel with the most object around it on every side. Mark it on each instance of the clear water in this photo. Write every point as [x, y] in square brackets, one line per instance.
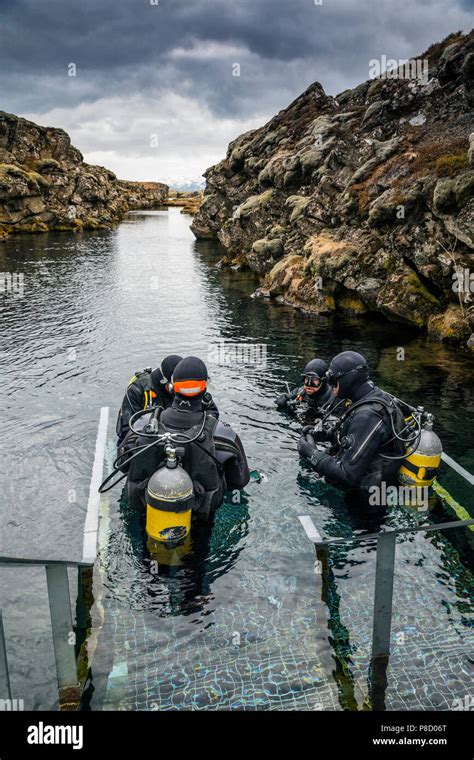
[245, 624]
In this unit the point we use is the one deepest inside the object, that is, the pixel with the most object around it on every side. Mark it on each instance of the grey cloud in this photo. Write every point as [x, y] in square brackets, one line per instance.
[124, 48]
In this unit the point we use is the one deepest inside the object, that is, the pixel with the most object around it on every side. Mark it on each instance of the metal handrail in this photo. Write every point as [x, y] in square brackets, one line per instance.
[384, 578]
[44, 562]
[66, 649]
[322, 540]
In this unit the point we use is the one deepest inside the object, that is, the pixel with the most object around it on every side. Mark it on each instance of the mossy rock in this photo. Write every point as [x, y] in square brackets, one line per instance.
[311, 159]
[464, 188]
[5, 230]
[47, 166]
[390, 264]
[297, 203]
[344, 97]
[255, 203]
[451, 165]
[375, 110]
[277, 230]
[266, 176]
[37, 226]
[271, 247]
[10, 170]
[451, 326]
[444, 196]
[38, 179]
[416, 286]
[470, 152]
[383, 211]
[375, 87]
[351, 304]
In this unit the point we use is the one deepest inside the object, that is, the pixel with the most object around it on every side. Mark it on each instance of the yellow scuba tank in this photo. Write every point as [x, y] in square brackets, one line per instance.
[420, 466]
[169, 502]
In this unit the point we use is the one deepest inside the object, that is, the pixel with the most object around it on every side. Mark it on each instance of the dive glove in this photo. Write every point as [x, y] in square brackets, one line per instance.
[308, 449]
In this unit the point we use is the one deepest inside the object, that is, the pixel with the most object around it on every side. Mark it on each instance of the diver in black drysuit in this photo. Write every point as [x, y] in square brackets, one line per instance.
[152, 388]
[362, 437]
[215, 461]
[315, 395]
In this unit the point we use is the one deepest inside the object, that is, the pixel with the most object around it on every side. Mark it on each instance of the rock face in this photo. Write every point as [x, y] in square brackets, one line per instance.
[189, 201]
[45, 184]
[362, 202]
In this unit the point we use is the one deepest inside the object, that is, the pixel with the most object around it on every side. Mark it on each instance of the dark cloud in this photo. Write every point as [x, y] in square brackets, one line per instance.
[128, 48]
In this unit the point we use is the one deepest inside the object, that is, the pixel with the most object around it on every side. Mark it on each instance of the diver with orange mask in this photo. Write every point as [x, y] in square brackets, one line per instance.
[212, 453]
[148, 389]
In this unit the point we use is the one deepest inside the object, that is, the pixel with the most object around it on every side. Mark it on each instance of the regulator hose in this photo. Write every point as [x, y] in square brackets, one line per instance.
[160, 440]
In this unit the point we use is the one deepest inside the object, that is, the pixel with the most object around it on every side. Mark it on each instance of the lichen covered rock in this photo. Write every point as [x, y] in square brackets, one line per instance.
[370, 194]
[45, 184]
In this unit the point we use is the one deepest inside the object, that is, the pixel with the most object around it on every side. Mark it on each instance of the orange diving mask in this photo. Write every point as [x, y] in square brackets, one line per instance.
[190, 387]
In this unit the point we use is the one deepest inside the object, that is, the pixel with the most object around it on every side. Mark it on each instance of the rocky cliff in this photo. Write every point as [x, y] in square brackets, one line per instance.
[361, 202]
[45, 184]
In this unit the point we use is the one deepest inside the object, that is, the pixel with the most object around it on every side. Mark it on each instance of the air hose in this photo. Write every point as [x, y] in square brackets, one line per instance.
[159, 440]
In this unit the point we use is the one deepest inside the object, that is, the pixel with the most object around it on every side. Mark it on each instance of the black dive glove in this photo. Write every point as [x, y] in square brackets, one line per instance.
[282, 401]
[308, 450]
[289, 400]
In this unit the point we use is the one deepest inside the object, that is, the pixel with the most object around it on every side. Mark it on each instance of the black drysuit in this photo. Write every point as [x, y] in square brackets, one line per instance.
[363, 436]
[142, 393]
[215, 461]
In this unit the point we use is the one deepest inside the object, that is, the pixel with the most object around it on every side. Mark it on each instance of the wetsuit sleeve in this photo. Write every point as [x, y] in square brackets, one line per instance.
[363, 439]
[236, 469]
[132, 402]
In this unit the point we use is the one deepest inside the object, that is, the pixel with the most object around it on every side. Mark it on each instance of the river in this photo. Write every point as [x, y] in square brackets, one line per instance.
[242, 627]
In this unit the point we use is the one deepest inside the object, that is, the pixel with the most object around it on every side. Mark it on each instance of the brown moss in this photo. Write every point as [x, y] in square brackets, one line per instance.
[449, 166]
[422, 158]
[428, 153]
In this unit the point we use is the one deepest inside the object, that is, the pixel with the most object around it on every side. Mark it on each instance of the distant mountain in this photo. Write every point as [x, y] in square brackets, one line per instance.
[187, 185]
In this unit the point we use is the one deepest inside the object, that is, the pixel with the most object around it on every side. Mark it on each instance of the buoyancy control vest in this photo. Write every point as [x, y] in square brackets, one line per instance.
[199, 460]
[385, 465]
[143, 380]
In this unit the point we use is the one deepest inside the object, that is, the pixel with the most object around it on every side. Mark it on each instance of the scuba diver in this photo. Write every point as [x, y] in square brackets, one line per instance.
[365, 446]
[147, 388]
[187, 434]
[150, 388]
[315, 393]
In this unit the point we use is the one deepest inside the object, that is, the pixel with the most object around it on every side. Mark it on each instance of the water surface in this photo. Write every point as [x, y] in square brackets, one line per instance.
[242, 625]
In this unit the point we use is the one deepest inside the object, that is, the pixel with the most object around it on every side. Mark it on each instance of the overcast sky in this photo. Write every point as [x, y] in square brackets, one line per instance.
[154, 94]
